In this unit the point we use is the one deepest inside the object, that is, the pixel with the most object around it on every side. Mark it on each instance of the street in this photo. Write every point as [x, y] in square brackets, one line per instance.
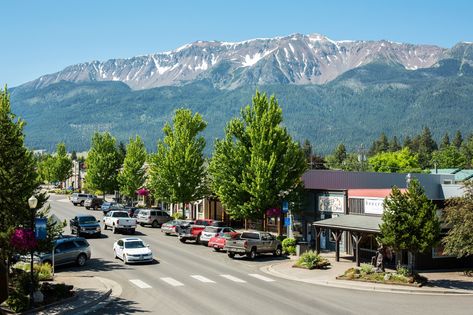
[193, 279]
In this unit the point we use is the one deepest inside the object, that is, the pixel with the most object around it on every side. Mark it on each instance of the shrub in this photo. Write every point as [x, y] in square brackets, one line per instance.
[312, 260]
[403, 271]
[43, 271]
[289, 246]
[178, 216]
[17, 301]
[366, 269]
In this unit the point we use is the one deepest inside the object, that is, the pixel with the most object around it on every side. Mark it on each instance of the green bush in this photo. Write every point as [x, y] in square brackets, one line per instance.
[289, 246]
[42, 271]
[178, 216]
[17, 301]
[312, 260]
[403, 271]
[366, 269]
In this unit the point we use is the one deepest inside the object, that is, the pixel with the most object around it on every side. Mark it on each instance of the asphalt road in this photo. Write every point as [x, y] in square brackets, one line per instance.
[193, 279]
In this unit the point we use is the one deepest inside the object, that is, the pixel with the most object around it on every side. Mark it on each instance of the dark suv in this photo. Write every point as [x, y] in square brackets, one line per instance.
[85, 225]
[94, 203]
[67, 250]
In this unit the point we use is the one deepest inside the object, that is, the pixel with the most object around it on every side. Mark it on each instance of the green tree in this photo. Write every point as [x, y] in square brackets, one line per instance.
[121, 150]
[46, 169]
[458, 215]
[458, 140]
[380, 145]
[18, 180]
[394, 145]
[337, 159]
[448, 157]
[62, 164]
[407, 143]
[445, 141]
[467, 151]
[409, 221]
[74, 155]
[132, 175]
[313, 160]
[402, 161]
[177, 172]
[257, 163]
[427, 146]
[103, 164]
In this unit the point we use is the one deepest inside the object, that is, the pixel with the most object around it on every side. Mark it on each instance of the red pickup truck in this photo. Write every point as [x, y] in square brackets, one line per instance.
[193, 229]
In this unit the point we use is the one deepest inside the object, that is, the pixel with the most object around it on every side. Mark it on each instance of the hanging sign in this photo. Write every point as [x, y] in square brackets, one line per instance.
[40, 228]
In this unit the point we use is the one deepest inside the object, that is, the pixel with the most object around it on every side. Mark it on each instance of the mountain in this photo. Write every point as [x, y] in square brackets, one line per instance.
[357, 90]
[295, 59]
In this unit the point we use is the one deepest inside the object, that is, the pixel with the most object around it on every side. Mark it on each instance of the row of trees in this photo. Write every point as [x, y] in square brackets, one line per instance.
[414, 155]
[56, 167]
[252, 169]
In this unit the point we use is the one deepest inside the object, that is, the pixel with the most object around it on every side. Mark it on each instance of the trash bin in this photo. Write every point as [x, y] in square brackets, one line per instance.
[301, 248]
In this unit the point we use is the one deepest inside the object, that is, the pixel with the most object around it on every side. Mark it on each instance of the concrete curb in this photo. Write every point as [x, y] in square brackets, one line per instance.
[368, 287]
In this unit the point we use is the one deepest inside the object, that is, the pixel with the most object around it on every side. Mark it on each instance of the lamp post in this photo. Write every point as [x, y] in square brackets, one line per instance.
[32, 203]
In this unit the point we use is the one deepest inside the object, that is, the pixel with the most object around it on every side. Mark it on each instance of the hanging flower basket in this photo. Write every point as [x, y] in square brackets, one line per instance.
[273, 212]
[23, 239]
[142, 192]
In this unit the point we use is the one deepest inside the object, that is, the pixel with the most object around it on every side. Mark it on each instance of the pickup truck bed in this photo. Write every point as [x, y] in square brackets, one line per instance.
[252, 244]
[119, 221]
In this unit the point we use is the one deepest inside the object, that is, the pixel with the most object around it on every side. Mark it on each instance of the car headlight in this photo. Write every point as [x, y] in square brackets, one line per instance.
[98, 229]
[82, 228]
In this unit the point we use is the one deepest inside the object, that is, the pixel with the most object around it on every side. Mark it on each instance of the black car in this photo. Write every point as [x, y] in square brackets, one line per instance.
[93, 202]
[107, 206]
[86, 225]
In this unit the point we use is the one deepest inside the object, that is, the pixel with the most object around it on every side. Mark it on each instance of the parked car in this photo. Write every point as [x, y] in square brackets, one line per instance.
[85, 224]
[253, 243]
[193, 230]
[131, 211]
[108, 206]
[132, 250]
[67, 250]
[153, 217]
[171, 227]
[119, 221]
[79, 199]
[211, 231]
[219, 240]
[94, 203]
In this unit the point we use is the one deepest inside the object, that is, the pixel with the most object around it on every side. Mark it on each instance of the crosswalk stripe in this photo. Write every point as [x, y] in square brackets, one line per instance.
[261, 277]
[140, 284]
[232, 278]
[202, 279]
[172, 282]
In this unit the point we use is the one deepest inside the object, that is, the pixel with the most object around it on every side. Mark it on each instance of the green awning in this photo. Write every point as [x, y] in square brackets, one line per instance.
[350, 222]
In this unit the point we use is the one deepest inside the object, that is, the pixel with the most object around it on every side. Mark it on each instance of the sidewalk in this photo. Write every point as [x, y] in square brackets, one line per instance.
[92, 294]
[451, 282]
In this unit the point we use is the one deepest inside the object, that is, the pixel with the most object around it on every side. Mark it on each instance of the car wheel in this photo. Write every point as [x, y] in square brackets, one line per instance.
[115, 254]
[216, 249]
[231, 255]
[198, 239]
[278, 252]
[155, 224]
[183, 239]
[105, 227]
[81, 259]
[81, 203]
[114, 229]
[252, 254]
[132, 231]
[166, 233]
[88, 208]
[124, 259]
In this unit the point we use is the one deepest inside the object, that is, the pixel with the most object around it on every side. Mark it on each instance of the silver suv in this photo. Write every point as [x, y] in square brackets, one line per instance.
[152, 217]
[68, 250]
[79, 199]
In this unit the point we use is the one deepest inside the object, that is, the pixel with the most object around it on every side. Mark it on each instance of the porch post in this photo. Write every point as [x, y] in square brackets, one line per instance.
[357, 238]
[318, 232]
[336, 235]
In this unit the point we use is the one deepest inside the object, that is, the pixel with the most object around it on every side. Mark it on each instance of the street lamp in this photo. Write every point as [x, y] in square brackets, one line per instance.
[32, 203]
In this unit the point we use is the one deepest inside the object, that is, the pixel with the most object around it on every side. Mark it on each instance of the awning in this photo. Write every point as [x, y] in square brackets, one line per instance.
[355, 223]
[371, 193]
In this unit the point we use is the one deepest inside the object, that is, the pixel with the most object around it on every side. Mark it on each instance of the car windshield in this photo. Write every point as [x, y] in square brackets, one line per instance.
[134, 244]
[120, 215]
[87, 219]
[212, 229]
[106, 204]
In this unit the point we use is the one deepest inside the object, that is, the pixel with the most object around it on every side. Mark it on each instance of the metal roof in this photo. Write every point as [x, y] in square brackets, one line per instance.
[357, 223]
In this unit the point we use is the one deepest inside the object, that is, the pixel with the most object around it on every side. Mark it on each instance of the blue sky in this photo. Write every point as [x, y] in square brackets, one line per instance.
[40, 37]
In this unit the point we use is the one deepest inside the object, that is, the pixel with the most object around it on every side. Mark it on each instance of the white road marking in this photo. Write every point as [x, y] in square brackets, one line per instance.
[202, 279]
[63, 200]
[172, 282]
[232, 278]
[140, 284]
[261, 277]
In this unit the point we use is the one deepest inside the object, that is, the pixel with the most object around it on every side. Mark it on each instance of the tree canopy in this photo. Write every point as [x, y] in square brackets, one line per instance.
[402, 161]
[103, 164]
[177, 172]
[257, 163]
[132, 175]
[458, 216]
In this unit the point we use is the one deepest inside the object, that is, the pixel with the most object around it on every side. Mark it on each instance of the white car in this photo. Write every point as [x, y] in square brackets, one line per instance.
[132, 250]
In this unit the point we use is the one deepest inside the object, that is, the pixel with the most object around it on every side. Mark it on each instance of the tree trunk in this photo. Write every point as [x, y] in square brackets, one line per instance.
[3, 281]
